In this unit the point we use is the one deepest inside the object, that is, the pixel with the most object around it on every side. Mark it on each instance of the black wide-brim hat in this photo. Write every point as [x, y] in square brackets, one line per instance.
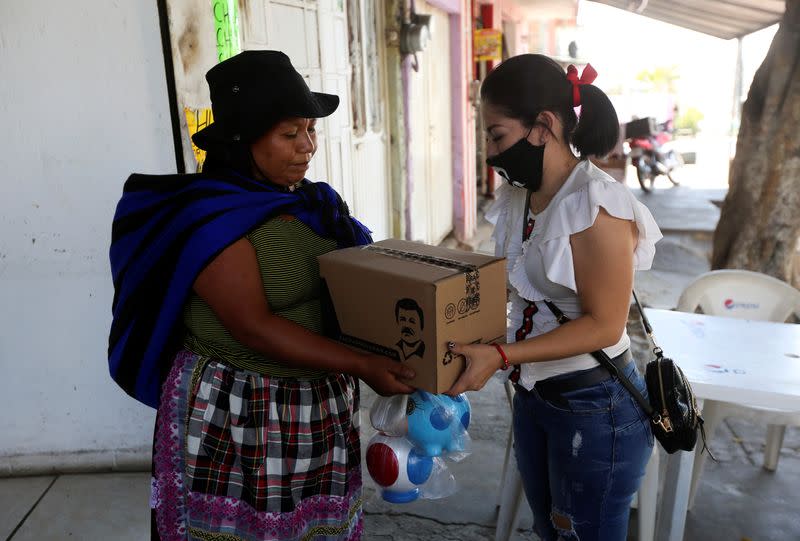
[253, 91]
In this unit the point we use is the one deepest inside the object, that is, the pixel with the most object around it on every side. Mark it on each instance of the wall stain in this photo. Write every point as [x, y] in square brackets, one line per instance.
[188, 45]
[245, 7]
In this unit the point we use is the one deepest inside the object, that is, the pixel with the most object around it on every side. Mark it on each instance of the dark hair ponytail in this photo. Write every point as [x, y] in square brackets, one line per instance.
[597, 131]
[526, 85]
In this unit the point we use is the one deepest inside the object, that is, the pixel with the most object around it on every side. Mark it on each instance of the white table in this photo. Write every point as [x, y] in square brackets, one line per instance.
[751, 363]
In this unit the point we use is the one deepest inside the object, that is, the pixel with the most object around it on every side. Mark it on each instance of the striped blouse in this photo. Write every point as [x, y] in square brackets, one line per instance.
[287, 253]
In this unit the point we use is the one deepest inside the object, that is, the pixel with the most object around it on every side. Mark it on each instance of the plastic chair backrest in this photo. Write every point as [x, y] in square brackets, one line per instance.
[741, 294]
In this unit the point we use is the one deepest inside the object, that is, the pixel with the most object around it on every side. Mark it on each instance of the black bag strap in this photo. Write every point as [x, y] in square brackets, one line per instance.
[604, 360]
[648, 329]
[525, 214]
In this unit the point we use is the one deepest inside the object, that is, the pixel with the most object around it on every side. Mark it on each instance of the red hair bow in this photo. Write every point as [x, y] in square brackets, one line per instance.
[587, 77]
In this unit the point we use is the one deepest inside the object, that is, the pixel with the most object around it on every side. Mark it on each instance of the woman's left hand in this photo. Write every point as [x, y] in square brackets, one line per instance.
[482, 361]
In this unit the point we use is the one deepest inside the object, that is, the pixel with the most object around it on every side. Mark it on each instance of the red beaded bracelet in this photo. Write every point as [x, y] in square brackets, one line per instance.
[502, 354]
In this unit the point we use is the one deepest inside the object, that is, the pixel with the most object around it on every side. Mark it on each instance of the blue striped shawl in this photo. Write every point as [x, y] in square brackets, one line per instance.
[166, 229]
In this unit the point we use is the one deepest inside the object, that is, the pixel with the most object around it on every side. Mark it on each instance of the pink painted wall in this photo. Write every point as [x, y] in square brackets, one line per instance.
[465, 214]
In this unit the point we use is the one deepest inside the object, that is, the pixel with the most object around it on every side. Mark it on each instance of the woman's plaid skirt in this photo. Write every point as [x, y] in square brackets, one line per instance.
[242, 456]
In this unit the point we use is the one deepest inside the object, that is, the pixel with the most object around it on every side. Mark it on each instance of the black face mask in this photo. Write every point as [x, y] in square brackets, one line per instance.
[522, 164]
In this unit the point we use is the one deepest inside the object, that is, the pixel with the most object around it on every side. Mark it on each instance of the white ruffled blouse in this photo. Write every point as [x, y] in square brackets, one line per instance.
[541, 268]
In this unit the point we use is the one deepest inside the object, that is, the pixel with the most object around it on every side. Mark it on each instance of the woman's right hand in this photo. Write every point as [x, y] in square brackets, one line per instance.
[385, 375]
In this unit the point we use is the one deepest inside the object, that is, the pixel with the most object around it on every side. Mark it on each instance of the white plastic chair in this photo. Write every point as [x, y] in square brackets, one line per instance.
[511, 497]
[743, 295]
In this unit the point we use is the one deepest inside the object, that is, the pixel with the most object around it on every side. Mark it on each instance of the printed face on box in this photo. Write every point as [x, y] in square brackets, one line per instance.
[410, 322]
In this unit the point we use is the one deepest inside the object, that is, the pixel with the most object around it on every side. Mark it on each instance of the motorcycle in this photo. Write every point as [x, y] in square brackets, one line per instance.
[650, 152]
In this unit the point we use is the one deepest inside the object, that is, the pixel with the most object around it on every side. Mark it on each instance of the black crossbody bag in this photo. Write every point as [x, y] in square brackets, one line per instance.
[672, 406]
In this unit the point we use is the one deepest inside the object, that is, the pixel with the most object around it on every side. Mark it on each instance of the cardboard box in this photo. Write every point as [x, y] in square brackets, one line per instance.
[406, 300]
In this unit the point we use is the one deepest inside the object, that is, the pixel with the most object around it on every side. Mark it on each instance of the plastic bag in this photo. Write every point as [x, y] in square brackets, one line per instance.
[415, 433]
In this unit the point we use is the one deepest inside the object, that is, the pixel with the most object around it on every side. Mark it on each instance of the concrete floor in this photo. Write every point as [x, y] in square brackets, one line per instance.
[737, 501]
[90, 507]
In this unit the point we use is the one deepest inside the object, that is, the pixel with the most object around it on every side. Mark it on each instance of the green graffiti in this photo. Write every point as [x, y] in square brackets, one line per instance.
[226, 25]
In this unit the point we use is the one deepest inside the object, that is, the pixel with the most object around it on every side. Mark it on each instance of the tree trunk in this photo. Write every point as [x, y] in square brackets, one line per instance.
[759, 225]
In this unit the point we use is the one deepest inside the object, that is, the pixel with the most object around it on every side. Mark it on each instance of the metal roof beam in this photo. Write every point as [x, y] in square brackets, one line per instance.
[755, 5]
[682, 14]
[709, 11]
[700, 16]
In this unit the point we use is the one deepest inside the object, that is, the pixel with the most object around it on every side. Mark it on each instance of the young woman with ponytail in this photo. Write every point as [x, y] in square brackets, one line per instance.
[573, 238]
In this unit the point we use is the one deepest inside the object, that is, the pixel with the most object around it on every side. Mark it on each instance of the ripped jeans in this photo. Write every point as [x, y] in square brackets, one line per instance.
[581, 461]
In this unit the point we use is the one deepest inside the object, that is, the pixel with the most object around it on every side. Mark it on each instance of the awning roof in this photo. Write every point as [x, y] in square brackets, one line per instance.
[724, 19]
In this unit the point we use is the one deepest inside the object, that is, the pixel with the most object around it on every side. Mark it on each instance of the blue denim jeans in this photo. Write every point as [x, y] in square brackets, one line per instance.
[582, 461]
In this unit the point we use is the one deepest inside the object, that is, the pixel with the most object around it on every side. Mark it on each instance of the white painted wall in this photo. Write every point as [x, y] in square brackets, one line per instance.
[431, 195]
[82, 104]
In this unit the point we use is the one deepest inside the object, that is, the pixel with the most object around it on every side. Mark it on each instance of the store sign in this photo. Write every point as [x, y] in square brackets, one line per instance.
[488, 45]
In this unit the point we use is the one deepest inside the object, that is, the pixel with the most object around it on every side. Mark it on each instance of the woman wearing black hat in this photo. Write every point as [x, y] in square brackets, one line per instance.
[218, 323]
